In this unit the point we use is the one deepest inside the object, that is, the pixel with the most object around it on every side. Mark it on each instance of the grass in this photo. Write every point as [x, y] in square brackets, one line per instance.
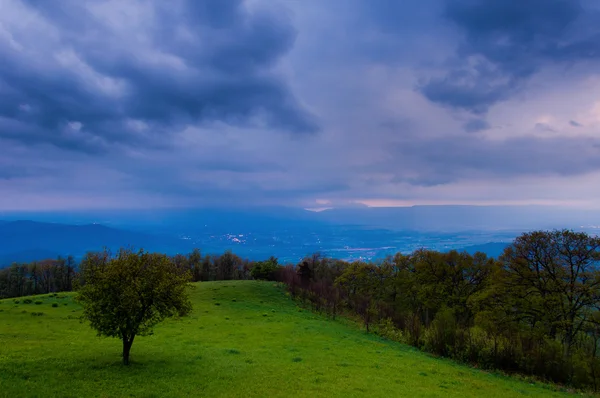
[255, 343]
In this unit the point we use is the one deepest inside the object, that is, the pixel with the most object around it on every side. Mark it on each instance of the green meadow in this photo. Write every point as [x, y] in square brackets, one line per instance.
[243, 339]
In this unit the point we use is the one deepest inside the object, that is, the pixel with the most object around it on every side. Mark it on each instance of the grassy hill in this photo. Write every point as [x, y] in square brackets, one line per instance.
[243, 339]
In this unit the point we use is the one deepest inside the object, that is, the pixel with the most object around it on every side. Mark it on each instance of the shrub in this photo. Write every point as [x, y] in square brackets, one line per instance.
[16, 301]
[583, 369]
[54, 305]
[265, 270]
[386, 329]
[441, 335]
[38, 302]
[37, 313]
[27, 301]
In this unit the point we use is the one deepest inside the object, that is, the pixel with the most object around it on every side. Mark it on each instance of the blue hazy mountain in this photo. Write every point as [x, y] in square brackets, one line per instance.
[287, 233]
[415, 218]
[27, 256]
[31, 240]
[492, 249]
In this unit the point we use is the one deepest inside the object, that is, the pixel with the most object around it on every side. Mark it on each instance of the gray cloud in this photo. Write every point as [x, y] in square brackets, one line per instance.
[505, 43]
[475, 125]
[575, 124]
[213, 102]
[454, 158]
[185, 62]
[474, 89]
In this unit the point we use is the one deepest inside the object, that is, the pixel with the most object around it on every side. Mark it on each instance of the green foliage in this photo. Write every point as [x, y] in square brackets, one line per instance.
[189, 357]
[387, 329]
[265, 270]
[440, 337]
[37, 277]
[27, 301]
[127, 295]
[536, 310]
[550, 282]
[54, 305]
[38, 302]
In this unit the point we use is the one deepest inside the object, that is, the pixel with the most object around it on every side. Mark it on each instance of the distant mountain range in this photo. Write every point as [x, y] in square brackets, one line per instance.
[492, 249]
[27, 256]
[288, 233]
[414, 218]
[25, 241]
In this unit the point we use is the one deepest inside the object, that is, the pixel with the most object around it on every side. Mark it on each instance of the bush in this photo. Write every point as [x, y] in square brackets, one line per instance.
[54, 305]
[27, 301]
[441, 335]
[37, 313]
[386, 329]
[583, 367]
[265, 270]
[38, 302]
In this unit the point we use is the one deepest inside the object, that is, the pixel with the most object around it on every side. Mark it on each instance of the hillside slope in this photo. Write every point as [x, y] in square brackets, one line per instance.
[243, 339]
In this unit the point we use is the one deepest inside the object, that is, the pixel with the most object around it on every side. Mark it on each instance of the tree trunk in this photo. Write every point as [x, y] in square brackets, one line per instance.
[126, 348]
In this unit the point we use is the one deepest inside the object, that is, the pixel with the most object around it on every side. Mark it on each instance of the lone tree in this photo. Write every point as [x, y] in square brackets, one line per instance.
[126, 295]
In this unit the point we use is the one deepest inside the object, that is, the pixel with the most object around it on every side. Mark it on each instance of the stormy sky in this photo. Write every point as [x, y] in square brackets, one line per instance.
[310, 103]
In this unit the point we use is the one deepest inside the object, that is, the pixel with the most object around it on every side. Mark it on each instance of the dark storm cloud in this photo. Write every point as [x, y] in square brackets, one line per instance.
[504, 43]
[194, 102]
[192, 61]
[475, 89]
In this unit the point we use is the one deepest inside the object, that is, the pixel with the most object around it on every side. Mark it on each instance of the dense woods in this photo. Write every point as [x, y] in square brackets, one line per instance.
[535, 310]
[40, 277]
[50, 276]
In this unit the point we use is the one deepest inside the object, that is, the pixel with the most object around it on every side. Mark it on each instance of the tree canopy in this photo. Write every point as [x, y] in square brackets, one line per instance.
[126, 295]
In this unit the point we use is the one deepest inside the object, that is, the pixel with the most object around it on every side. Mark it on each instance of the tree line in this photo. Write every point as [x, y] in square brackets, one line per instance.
[535, 310]
[50, 276]
[39, 277]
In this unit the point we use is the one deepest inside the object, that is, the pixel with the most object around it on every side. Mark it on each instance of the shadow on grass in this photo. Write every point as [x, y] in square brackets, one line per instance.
[153, 367]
